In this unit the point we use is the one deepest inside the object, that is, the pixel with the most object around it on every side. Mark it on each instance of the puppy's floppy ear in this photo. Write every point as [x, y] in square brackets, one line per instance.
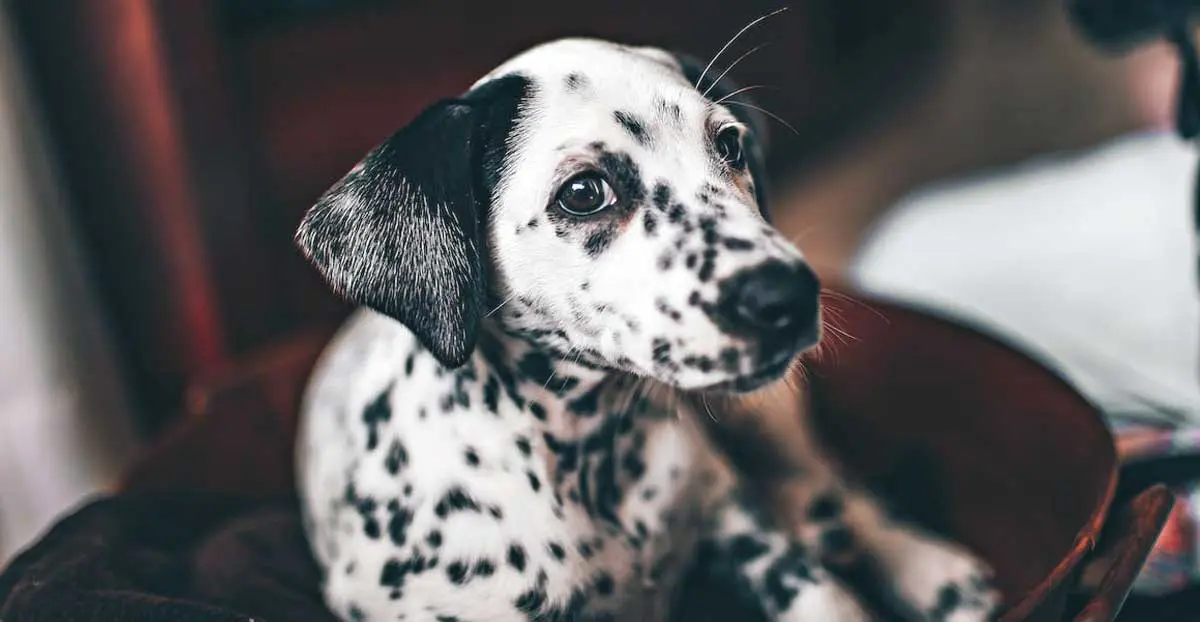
[403, 232]
[755, 144]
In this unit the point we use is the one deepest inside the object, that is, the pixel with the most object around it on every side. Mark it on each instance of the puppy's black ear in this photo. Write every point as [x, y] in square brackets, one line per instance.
[755, 144]
[403, 232]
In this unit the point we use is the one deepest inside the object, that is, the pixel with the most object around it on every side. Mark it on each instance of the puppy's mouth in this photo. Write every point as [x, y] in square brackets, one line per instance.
[762, 376]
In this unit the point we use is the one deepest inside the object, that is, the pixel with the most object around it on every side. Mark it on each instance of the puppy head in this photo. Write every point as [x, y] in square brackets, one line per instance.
[586, 196]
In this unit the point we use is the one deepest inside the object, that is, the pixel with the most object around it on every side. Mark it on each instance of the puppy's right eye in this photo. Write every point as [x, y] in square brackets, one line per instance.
[585, 194]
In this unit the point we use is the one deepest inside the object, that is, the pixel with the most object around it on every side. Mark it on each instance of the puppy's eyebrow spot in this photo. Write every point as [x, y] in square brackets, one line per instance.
[575, 81]
[634, 125]
[669, 110]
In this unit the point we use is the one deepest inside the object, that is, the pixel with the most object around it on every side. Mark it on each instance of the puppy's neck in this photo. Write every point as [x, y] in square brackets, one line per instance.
[568, 400]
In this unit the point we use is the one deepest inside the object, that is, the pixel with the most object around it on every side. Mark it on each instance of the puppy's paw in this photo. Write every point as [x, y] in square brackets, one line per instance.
[935, 580]
[821, 597]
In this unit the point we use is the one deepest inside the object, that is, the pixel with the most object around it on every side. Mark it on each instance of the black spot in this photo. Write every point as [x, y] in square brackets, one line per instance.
[604, 584]
[458, 573]
[670, 110]
[665, 309]
[398, 525]
[408, 364]
[600, 240]
[496, 512]
[434, 539]
[633, 465]
[585, 550]
[676, 214]
[455, 500]
[484, 568]
[524, 447]
[649, 223]
[575, 81]
[738, 244]
[587, 404]
[534, 482]
[949, 599]
[396, 458]
[392, 575]
[377, 412]
[691, 261]
[661, 196]
[533, 223]
[563, 385]
[538, 411]
[649, 494]
[730, 359]
[708, 265]
[745, 548]
[708, 227]
[633, 125]
[625, 176]
[557, 551]
[472, 457]
[516, 557]
[825, 507]
[531, 602]
[491, 394]
[356, 614]
[664, 262]
[444, 618]
[536, 366]
[792, 565]
[660, 350]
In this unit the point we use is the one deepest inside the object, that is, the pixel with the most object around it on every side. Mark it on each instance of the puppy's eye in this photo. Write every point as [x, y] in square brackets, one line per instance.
[729, 148]
[585, 194]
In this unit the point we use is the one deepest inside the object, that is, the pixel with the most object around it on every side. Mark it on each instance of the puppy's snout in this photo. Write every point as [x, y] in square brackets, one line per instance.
[775, 300]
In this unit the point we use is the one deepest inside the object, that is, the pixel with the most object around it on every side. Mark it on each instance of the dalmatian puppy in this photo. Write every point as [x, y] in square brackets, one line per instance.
[556, 270]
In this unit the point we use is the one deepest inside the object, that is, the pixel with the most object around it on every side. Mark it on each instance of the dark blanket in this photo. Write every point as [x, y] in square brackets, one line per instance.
[213, 557]
[167, 557]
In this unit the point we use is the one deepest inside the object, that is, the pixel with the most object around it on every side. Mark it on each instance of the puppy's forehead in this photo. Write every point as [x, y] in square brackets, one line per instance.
[575, 61]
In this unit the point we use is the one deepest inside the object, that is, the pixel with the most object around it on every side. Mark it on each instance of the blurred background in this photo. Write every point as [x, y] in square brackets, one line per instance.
[974, 155]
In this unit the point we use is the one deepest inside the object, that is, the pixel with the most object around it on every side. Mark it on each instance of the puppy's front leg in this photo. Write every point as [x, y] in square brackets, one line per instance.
[768, 437]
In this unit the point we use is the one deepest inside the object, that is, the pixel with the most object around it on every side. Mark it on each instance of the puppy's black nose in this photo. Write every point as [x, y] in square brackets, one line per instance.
[774, 300]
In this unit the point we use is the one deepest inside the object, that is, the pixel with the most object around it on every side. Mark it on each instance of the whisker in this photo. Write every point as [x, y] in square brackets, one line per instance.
[766, 112]
[502, 303]
[704, 400]
[553, 371]
[854, 301]
[717, 80]
[735, 38]
[795, 240]
[752, 87]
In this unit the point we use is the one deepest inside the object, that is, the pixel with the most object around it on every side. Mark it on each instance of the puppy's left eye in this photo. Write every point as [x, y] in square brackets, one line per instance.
[585, 194]
[729, 148]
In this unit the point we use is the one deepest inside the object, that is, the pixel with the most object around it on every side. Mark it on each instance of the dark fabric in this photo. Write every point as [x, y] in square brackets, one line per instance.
[202, 557]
